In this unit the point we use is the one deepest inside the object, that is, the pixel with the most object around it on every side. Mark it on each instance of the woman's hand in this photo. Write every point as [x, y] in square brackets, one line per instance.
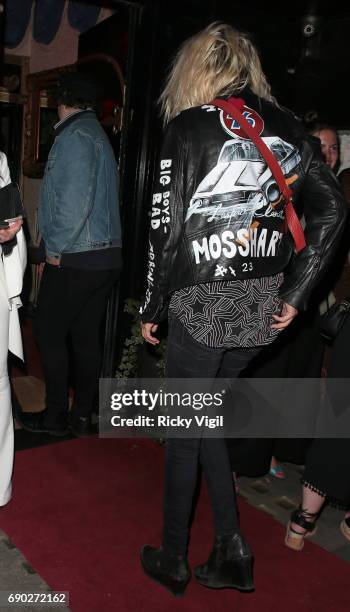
[288, 314]
[148, 329]
[11, 231]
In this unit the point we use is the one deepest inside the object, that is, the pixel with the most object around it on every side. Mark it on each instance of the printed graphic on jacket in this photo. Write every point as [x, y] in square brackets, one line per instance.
[241, 187]
[232, 127]
[226, 224]
[160, 215]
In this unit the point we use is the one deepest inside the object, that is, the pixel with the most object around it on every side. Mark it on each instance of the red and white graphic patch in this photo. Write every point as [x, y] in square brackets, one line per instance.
[231, 126]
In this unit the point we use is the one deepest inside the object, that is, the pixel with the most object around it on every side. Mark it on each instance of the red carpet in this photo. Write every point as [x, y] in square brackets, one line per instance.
[83, 508]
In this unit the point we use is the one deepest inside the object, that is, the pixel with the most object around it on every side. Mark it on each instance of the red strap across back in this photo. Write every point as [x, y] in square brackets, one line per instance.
[233, 107]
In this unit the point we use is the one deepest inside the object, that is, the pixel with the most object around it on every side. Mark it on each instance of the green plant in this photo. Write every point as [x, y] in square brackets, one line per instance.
[129, 363]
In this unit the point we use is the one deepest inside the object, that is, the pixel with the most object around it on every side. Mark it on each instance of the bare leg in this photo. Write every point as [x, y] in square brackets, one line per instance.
[311, 506]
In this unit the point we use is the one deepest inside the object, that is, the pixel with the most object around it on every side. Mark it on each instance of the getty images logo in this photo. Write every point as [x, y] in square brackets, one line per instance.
[162, 399]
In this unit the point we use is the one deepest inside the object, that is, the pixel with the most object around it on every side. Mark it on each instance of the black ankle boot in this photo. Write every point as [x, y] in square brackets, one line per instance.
[171, 571]
[230, 565]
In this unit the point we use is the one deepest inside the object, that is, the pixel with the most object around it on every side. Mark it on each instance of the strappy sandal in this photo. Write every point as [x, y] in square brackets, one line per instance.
[302, 518]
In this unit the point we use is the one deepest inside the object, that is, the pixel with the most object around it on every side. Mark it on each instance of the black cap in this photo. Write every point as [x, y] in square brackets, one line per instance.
[75, 87]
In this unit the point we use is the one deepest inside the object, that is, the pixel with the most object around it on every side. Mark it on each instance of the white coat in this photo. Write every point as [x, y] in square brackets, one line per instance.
[11, 274]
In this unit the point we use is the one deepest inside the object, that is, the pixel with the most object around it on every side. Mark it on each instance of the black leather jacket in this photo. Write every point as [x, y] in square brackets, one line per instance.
[217, 212]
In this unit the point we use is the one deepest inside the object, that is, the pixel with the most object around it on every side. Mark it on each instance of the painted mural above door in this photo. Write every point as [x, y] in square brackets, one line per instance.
[47, 16]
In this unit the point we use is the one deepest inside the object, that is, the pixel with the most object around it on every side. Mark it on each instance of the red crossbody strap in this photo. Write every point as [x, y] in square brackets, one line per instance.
[232, 107]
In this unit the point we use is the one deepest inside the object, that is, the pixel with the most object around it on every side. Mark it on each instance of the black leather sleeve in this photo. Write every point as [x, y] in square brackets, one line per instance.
[325, 212]
[166, 224]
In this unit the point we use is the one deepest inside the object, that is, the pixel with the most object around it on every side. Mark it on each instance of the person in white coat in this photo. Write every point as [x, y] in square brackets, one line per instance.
[12, 266]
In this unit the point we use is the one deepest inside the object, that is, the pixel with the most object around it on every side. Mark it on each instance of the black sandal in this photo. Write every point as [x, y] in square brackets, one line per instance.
[302, 518]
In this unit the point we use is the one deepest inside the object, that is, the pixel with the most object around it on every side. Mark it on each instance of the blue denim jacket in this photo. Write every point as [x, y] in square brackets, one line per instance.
[79, 202]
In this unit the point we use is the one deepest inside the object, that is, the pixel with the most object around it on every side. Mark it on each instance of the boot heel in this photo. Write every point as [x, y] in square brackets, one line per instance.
[243, 574]
[174, 586]
[230, 565]
[173, 573]
[236, 574]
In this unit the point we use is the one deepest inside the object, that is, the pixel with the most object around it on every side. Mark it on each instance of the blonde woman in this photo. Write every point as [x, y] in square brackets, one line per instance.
[228, 296]
[12, 265]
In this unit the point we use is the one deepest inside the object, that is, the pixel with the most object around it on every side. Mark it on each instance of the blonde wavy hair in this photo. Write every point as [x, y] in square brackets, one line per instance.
[219, 60]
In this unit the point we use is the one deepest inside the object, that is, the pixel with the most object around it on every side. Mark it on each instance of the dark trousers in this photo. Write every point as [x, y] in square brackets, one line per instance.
[72, 303]
[296, 353]
[186, 358]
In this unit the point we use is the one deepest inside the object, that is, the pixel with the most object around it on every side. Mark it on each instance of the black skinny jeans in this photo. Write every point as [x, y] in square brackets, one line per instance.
[186, 358]
[72, 302]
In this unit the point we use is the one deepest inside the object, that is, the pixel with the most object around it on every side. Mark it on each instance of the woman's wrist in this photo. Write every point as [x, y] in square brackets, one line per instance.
[10, 232]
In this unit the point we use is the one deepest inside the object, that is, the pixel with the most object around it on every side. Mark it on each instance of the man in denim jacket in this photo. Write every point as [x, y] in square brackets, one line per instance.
[80, 225]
